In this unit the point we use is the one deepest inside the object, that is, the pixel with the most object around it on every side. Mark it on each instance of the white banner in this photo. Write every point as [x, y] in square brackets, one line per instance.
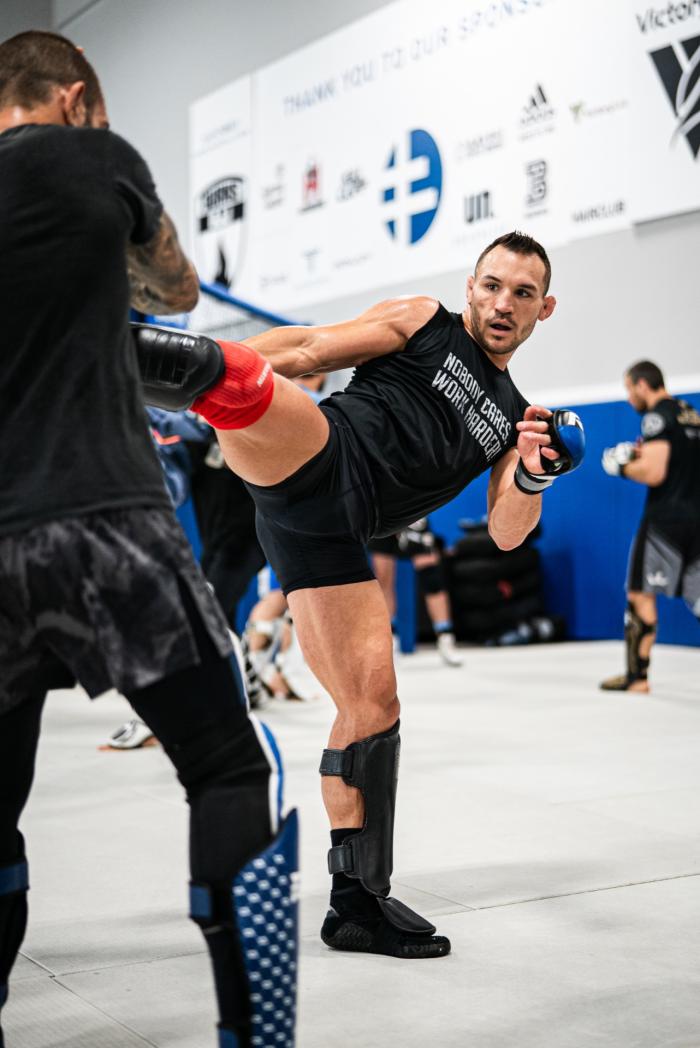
[400, 145]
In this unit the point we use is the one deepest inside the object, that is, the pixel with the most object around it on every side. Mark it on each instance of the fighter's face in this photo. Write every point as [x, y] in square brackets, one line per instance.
[636, 395]
[506, 299]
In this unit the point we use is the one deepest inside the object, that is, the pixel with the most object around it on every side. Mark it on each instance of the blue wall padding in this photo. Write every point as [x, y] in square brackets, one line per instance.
[588, 522]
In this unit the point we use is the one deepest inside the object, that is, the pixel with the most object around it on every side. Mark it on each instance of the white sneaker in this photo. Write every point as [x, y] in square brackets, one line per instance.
[131, 736]
[447, 647]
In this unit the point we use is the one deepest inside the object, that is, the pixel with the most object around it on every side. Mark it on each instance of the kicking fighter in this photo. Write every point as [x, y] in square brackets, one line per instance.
[430, 407]
[97, 581]
[665, 554]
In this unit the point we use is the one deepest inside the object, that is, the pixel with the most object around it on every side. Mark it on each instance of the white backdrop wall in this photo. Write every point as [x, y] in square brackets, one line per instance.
[623, 295]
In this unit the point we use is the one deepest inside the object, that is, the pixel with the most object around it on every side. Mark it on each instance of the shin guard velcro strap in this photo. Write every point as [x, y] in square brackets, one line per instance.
[372, 766]
[635, 632]
[14, 878]
[176, 366]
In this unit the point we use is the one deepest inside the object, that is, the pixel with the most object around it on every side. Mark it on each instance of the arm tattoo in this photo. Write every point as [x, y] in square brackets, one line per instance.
[161, 277]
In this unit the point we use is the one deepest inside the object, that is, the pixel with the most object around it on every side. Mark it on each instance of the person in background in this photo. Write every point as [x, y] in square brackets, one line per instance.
[665, 553]
[418, 543]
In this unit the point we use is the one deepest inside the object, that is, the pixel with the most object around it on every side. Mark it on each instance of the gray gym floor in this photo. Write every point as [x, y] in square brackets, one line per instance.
[552, 831]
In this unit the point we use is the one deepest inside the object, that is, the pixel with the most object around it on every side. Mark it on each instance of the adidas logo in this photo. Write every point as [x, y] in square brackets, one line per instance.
[537, 109]
[657, 578]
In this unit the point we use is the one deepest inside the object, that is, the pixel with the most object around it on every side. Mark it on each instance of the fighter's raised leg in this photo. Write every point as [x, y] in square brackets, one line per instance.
[267, 427]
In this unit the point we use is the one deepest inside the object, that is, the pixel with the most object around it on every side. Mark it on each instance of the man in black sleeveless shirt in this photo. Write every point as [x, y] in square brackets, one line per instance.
[665, 553]
[97, 582]
[430, 407]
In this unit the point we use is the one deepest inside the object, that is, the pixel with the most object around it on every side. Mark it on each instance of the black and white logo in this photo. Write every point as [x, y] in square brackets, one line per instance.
[537, 115]
[467, 148]
[652, 424]
[221, 203]
[310, 255]
[273, 194]
[537, 187]
[351, 183]
[678, 66]
[220, 213]
[607, 209]
[668, 15]
[478, 206]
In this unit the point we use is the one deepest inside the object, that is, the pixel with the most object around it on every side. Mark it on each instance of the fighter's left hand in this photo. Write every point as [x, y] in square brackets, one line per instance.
[534, 438]
[549, 443]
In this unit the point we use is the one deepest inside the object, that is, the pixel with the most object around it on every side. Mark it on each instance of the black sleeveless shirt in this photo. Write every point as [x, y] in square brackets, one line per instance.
[430, 419]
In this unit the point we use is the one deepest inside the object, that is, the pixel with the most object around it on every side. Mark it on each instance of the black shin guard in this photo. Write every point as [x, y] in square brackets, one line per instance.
[363, 916]
[372, 766]
[635, 632]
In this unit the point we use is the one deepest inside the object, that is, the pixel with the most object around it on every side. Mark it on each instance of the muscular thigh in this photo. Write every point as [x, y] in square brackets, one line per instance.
[345, 634]
[291, 432]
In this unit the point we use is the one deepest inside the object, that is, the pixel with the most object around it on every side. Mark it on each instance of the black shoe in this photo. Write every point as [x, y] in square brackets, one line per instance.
[364, 923]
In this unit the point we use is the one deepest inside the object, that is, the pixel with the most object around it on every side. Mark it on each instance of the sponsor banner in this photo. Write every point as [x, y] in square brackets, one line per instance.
[665, 68]
[397, 158]
[400, 145]
[220, 183]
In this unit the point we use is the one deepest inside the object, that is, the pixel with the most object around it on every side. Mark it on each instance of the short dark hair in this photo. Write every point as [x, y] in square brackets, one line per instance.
[650, 372]
[521, 244]
[32, 63]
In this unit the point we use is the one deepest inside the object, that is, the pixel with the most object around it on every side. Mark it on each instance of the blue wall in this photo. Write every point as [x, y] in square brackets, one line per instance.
[588, 522]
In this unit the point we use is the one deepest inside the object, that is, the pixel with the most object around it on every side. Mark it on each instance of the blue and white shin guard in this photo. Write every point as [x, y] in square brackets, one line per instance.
[264, 921]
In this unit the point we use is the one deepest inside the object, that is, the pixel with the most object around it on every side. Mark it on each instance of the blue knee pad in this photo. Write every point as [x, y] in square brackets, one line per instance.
[14, 878]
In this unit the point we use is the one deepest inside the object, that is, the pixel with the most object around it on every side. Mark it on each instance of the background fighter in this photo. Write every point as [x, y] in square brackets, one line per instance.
[430, 407]
[665, 554]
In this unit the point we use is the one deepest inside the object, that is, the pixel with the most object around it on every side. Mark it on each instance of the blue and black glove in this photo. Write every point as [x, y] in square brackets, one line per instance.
[568, 439]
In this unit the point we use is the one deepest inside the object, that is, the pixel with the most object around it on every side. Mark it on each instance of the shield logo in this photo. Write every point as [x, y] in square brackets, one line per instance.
[219, 238]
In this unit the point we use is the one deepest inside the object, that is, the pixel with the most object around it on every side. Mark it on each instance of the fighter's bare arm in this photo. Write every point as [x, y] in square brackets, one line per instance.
[162, 278]
[650, 464]
[385, 328]
[511, 514]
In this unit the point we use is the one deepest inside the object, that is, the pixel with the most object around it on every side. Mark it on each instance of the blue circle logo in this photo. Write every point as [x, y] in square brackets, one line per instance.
[412, 195]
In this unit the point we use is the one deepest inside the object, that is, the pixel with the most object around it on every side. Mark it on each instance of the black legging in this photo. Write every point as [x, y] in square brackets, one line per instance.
[200, 717]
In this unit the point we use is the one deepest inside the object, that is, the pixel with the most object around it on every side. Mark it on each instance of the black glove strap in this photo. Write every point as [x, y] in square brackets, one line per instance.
[531, 483]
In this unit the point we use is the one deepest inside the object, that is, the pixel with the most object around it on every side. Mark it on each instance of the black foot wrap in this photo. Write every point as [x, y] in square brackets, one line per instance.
[362, 923]
[372, 766]
[176, 366]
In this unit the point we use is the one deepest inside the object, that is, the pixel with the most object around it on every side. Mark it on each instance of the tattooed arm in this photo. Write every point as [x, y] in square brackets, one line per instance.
[162, 278]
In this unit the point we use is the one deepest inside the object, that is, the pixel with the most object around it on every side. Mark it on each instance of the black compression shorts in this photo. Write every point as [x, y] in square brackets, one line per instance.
[314, 525]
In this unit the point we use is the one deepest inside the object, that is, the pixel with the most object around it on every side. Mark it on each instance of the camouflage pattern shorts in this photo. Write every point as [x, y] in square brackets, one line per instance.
[98, 599]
